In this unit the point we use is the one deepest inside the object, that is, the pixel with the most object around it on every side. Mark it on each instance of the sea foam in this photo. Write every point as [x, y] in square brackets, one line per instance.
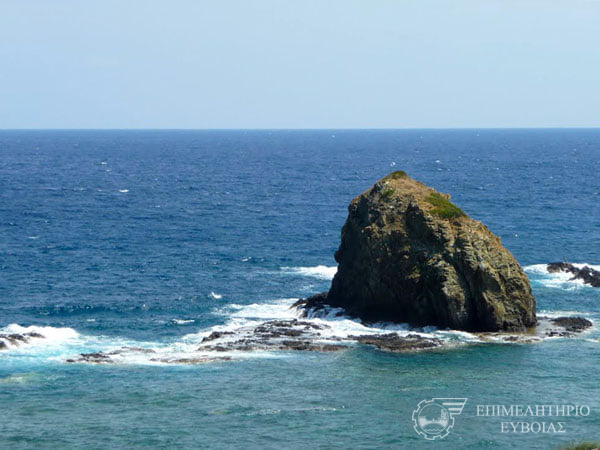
[240, 320]
[321, 272]
[563, 280]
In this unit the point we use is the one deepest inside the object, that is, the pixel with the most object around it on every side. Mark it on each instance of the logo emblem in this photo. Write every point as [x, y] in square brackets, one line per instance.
[434, 418]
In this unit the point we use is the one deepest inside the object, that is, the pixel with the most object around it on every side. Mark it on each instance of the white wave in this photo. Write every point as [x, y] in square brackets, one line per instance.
[562, 313]
[36, 336]
[183, 321]
[51, 333]
[543, 268]
[124, 191]
[591, 266]
[537, 268]
[321, 272]
[215, 295]
[62, 344]
[334, 323]
[563, 280]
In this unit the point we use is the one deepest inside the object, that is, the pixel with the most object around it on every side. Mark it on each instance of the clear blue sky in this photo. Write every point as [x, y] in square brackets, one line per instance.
[299, 64]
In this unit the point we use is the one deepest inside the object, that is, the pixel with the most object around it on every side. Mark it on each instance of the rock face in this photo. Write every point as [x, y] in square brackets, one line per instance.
[409, 255]
[587, 274]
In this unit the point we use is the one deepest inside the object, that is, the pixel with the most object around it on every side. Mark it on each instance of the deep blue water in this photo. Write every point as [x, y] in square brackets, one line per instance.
[150, 237]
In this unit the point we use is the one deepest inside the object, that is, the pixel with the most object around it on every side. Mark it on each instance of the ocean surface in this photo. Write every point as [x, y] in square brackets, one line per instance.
[154, 239]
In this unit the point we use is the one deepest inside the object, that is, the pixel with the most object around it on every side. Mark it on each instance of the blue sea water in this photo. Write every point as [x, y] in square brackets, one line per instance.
[154, 238]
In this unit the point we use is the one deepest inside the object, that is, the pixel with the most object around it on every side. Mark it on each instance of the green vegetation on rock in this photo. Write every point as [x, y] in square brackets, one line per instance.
[395, 175]
[386, 193]
[443, 207]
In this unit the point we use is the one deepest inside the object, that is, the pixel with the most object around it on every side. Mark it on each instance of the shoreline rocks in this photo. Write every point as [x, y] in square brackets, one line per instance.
[17, 339]
[395, 343]
[586, 274]
[306, 336]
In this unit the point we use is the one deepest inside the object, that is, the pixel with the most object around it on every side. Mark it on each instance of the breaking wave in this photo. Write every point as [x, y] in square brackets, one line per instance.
[35, 336]
[321, 272]
[66, 345]
[63, 344]
[563, 280]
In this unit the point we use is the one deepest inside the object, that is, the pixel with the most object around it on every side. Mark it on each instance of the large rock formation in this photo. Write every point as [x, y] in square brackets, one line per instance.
[409, 255]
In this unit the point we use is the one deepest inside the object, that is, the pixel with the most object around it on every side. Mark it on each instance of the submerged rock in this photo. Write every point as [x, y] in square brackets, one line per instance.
[572, 324]
[409, 255]
[94, 358]
[547, 327]
[109, 357]
[586, 274]
[399, 344]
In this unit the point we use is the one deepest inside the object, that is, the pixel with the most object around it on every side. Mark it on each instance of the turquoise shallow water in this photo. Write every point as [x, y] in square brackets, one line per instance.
[152, 239]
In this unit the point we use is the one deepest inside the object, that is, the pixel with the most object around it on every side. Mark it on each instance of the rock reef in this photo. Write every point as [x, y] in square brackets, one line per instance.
[408, 254]
[308, 336]
[273, 335]
[17, 339]
[586, 274]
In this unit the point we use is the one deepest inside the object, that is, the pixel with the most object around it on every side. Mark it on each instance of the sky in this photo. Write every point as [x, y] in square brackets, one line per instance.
[299, 64]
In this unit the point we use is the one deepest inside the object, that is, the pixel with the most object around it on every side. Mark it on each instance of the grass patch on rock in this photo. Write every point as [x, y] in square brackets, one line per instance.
[386, 193]
[396, 175]
[443, 207]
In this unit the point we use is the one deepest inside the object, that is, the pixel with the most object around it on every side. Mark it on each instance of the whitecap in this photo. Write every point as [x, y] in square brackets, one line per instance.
[321, 272]
[36, 336]
[215, 295]
[124, 191]
[183, 321]
[561, 313]
[564, 280]
[335, 323]
[65, 344]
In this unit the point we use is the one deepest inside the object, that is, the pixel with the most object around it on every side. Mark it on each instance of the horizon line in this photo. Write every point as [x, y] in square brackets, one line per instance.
[310, 129]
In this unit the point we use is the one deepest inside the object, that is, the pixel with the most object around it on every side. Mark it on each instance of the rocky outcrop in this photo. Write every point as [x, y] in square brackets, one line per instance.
[273, 335]
[395, 343]
[586, 274]
[572, 324]
[409, 255]
[314, 335]
[17, 339]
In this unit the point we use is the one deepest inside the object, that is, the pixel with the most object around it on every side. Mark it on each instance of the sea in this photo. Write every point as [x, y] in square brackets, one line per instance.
[155, 239]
